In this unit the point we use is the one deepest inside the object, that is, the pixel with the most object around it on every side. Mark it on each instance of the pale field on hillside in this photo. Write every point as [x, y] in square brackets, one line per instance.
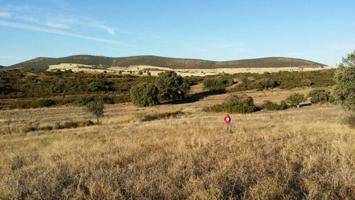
[154, 70]
[306, 153]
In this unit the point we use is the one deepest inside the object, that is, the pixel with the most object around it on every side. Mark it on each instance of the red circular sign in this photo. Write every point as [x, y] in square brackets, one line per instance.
[227, 119]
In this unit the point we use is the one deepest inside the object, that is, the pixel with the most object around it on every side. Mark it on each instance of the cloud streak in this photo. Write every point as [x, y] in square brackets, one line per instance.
[51, 18]
[55, 31]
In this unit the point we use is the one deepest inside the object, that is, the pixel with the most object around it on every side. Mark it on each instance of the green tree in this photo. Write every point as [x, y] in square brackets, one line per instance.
[171, 86]
[145, 94]
[319, 96]
[345, 82]
[235, 104]
[295, 99]
[266, 83]
[96, 107]
[220, 82]
[101, 85]
[269, 105]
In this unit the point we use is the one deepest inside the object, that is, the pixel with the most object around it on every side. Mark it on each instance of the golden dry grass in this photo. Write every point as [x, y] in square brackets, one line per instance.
[155, 70]
[305, 153]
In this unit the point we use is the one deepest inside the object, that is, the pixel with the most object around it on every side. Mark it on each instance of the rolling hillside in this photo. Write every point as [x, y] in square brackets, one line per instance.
[42, 63]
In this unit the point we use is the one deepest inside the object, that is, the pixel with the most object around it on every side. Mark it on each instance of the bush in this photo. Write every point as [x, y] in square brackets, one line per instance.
[43, 103]
[69, 125]
[101, 85]
[220, 82]
[285, 79]
[83, 101]
[235, 104]
[158, 116]
[108, 99]
[145, 94]
[194, 80]
[266, 83]
[245, 84]
[96, 108]
[171, 86]
[295, 99]
[345, 83]
[319, 96]
[306, 82]
[269, 105]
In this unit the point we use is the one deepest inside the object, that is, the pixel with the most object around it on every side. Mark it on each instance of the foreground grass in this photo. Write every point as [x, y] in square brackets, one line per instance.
[295, 154]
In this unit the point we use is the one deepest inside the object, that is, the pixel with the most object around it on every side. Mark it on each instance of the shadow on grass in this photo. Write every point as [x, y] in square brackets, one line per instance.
[196, 97]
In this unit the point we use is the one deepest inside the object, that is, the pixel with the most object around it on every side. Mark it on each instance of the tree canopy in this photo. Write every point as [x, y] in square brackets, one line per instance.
[345, 82]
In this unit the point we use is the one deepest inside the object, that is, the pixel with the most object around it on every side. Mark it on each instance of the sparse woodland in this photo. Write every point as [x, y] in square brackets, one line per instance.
[290, 137]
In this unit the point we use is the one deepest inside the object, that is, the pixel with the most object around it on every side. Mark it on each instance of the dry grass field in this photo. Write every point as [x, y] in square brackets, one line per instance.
[306, 153]
[155, 70]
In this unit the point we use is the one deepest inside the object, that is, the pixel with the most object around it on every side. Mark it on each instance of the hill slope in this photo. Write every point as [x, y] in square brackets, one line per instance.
[42, 63]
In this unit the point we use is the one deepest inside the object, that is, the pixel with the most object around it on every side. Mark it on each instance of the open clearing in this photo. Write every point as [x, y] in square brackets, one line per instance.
[305, 153]
[154, 70]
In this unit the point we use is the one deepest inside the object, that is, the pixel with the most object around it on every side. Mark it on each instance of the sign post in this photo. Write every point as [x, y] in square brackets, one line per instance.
[228, 122]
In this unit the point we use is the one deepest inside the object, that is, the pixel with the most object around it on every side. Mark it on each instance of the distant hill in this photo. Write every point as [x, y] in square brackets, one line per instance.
[1, 67]
[42, 63]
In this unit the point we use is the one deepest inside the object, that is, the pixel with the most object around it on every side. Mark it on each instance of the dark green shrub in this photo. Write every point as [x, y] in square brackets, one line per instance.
[295, 99]
[235, 104]
[220, 82]
[158, 116]
[43, 103]
[145, 94]
[46, 128]
[171, 86]
[69, 125]
[193, 80]
[269, 105]
[332, 99]
[108, 99]
[319, 96]
[96, 108]
[245, 84]
[285, 79]
[86, 123]
[30, 128]
[101, 85]
[266, 83]
[306, 82]
[83, 101]
[345, 83]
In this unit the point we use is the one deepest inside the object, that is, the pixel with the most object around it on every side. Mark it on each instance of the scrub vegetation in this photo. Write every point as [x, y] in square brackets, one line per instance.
[175, 149]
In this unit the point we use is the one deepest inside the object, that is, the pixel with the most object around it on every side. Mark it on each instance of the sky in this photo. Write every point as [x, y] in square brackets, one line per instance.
[318, 30]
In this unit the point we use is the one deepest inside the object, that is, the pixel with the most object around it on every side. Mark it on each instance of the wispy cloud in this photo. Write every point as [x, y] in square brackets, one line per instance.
[55, 31]
[52, 18]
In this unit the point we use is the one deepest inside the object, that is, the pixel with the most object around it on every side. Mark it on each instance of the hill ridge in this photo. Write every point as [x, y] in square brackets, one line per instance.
[42, 63]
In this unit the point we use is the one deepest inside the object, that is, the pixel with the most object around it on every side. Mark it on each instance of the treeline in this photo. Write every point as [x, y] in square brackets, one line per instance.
[245, 104]
[284, 80]
[43, 89]
[21, 84]
[23, 89]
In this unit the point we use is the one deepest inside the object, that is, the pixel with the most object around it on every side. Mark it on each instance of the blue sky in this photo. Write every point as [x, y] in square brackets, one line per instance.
[322, 31]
